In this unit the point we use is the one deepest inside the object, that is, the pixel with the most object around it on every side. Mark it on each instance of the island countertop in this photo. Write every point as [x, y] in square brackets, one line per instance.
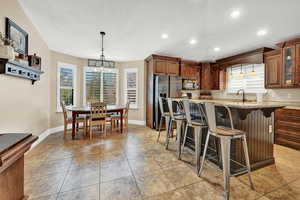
[249, 105]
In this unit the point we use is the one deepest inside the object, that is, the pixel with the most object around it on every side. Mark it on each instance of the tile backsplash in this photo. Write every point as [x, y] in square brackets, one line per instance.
[287, 95]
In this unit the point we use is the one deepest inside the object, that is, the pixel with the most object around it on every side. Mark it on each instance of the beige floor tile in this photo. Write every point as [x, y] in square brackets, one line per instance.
[85, 193]
[76, 179]
[181, 176]
[119, 189]
[44, 186]
[114, 170]
[154, 184]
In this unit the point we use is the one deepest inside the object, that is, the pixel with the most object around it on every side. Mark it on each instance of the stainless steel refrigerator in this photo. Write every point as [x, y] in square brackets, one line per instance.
[165, 86]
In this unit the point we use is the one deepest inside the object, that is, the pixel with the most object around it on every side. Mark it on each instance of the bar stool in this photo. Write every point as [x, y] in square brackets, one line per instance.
[197, 126]
[179, 118]
[225, 135]
[165, 115]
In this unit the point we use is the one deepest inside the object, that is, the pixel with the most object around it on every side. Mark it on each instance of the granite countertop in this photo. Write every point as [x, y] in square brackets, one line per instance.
[251, 105]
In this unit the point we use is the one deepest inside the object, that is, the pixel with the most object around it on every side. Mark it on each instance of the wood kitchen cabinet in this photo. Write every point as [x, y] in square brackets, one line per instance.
[163, 65]
[210, 76]
[287, 127]
[273, 68]
[190, 70]
[290, 70]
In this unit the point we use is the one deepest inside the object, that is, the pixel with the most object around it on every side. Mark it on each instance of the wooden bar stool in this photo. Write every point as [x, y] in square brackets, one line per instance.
[197, 127]
[225, 135]
[177, 117]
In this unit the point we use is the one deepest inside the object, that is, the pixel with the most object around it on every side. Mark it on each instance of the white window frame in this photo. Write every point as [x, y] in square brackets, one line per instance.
[61, 65]
[86, 69]
[132, 106]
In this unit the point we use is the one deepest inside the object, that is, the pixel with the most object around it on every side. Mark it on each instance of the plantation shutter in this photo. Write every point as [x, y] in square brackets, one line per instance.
[251, 78]
[110, 87]
[130, 83]
[93, 86]
[101, 85]
[66, 86]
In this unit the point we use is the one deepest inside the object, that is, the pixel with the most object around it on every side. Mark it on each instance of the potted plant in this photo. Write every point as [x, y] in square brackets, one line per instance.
[7, 50]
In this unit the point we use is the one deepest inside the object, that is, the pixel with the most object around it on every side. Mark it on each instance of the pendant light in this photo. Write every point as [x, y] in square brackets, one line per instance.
[253, 73]
[102, 57]
[241, 73]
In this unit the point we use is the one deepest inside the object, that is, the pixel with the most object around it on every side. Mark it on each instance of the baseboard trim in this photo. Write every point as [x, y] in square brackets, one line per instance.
[50, 131]
[137, 122]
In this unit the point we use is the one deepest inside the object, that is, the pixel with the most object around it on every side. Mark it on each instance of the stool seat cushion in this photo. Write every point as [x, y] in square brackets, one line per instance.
[198, 123]
[222, 130]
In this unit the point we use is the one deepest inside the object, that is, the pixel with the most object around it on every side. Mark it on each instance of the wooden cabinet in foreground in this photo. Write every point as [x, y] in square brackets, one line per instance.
[287, 128]
[12, 149]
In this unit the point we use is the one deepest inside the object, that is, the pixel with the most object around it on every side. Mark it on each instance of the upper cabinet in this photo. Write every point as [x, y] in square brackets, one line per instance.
[210, 76]
[163, 65]
[273, 68]
[283, 65]
[190, 70]
[288, 54]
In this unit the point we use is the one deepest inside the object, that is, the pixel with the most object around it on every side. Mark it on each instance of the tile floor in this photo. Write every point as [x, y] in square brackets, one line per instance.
[133, 166]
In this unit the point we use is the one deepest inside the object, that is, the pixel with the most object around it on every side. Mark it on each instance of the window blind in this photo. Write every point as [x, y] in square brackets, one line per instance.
[131, 85]
[110, 87]
[93, 86]
[66, 86]
[66, 76]
[101, 85]
[251, 78]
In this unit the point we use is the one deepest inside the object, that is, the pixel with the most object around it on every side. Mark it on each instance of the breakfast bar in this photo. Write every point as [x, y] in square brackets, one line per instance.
[257, 119]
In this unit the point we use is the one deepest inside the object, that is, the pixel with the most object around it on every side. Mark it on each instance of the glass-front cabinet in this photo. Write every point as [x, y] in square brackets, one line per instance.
[288, 66]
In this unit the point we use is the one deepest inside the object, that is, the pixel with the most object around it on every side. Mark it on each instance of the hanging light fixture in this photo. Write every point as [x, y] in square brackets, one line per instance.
[102, 57]
[241, 73]
[253, 73]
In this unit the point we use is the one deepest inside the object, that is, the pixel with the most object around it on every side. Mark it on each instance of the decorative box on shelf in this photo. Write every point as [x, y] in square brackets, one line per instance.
[14, 68]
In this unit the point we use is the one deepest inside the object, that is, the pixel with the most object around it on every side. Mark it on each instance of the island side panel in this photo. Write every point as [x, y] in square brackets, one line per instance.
[260, 138]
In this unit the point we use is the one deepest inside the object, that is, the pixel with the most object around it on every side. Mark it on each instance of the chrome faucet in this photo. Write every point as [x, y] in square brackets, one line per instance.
[243, 93]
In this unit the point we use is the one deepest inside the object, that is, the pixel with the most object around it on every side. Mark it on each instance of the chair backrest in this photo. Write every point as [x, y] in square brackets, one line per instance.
[98, 110]
[186, 107]
[63, 106]
[211, 116]
[162, 101]
[170, 106]
[127, 109]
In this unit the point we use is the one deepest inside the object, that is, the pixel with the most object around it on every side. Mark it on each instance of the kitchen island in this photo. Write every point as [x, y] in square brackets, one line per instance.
[257, 119]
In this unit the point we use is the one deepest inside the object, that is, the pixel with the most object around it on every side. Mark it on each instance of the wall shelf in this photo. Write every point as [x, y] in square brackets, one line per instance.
[17, 69]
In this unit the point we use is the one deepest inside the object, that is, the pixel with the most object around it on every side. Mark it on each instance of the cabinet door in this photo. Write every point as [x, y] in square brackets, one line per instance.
[273, 71]
[214, 77]
[288, 66]
[173, 68]
[297, 70]
[205, 77]
[160, 67]
[184, 71]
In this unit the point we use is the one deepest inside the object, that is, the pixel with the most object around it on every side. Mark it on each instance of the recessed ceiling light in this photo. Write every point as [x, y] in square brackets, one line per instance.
[216, 49]
[235, 14]
[164, 36]
[193, 41]
[262, 32]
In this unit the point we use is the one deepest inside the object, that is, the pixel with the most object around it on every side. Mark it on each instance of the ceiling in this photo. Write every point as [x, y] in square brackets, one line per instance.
[134, 27]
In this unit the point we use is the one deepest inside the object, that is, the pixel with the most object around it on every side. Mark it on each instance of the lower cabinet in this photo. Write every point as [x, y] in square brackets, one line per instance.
[287, 128]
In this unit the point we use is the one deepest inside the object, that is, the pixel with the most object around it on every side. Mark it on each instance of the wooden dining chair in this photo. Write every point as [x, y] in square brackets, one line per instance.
[69, 120]
[98, 117]
[116, 119]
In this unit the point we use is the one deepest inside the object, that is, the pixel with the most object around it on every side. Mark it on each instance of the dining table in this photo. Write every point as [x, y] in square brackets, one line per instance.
[79, 110]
